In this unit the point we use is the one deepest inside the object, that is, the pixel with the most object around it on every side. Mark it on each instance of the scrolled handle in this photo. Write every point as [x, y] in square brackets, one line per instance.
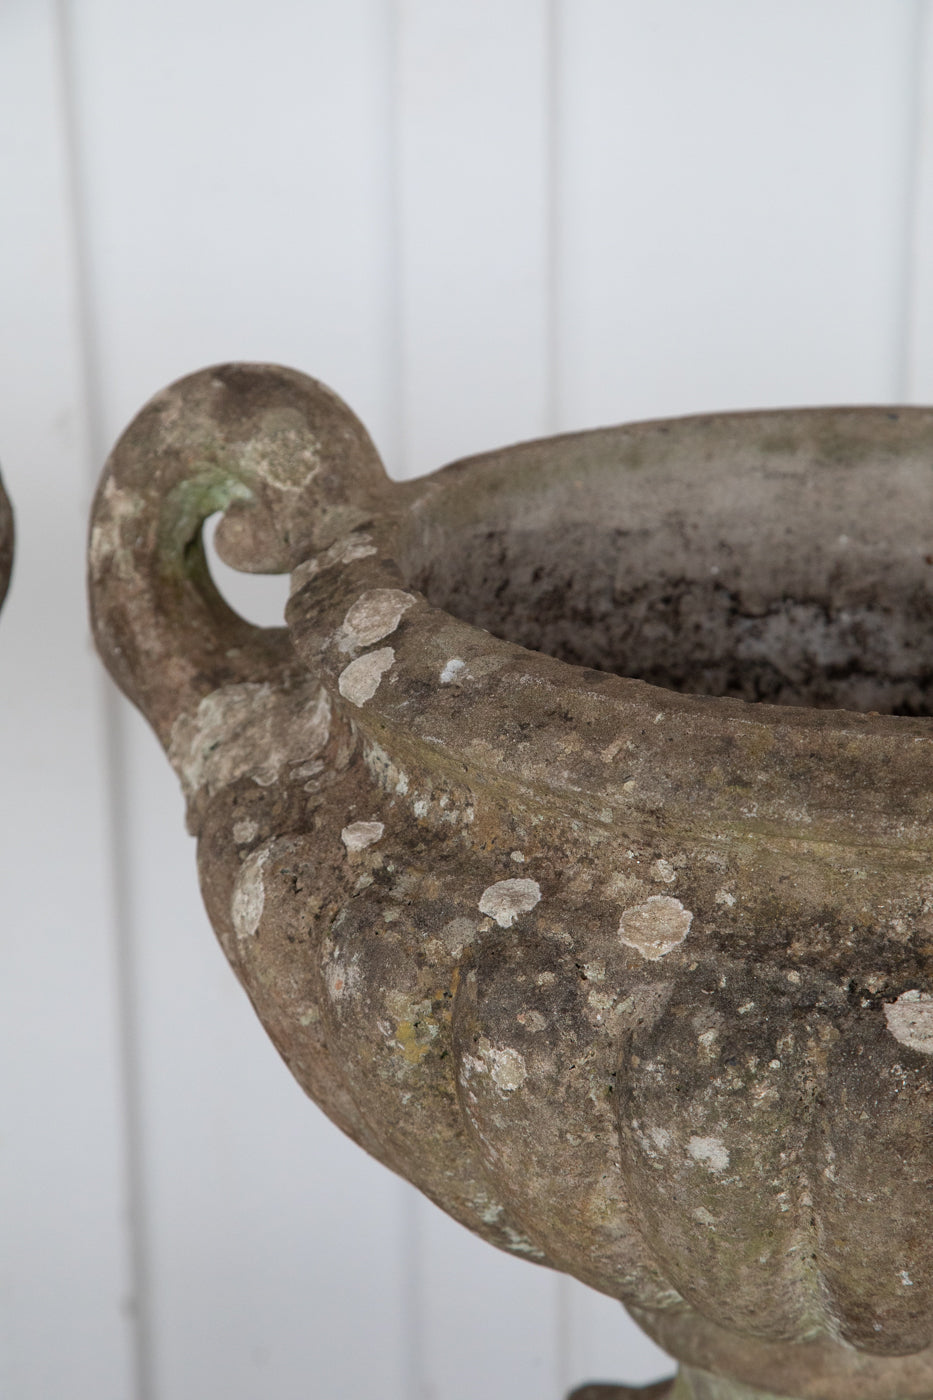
[292, 469]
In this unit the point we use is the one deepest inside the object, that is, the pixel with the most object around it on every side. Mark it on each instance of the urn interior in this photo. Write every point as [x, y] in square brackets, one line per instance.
[694, 562]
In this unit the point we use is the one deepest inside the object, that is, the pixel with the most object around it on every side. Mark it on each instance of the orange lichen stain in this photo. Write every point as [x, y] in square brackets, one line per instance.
[406, 1036]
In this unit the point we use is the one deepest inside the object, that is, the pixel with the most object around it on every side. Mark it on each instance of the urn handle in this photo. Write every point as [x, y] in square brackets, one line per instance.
[292, 469]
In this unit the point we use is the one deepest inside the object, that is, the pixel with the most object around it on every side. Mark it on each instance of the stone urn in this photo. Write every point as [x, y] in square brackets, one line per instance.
[574, 840]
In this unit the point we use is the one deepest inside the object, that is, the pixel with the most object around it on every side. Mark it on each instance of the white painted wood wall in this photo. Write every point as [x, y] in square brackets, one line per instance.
[479, 220]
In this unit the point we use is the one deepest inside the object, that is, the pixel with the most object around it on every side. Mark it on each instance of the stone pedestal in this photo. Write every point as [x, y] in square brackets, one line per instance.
[688, 1384]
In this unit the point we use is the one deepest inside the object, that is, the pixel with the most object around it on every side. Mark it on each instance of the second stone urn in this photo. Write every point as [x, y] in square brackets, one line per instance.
[6, 542]
[574, 841]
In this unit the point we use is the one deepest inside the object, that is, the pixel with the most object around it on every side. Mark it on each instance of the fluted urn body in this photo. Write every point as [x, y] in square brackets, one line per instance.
[573, 841]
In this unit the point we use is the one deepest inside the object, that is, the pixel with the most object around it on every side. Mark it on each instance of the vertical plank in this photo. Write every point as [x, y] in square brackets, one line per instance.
[65, 1322]
[473, 205]
[473, 247]
[238, 195]
[918, 376]
[732, 203]
[239, 174]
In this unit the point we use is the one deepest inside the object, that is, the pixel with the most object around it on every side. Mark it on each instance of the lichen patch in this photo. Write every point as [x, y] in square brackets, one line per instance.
[505, 1066]
[655, 927]
[359, 681]
[710, 1152]
[284, 453]
[910, 1020]
[506, 899]
[384, 771]
[457, 934]
[508, 1069]
[345, 551]
[358, 835]
[374, 615]
[249, 894]
[248, 730]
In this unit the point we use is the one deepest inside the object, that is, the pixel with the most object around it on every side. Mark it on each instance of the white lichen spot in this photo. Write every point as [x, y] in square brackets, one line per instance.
[655, 927]
[906, 1280]
[374, 615]
[704, 1216]
[793, 976]
[710, 1151]
[660, 1137]
[358, 835]
[594, 971]
[341, 978]
[518, 857]
[725, 897]
[507, 1068]
[453, 671]
[663, 870]
[546, 979]
[245, 831]
[506, 899]
[457, 934]
[910, 1020]
[249, 894]
[359, 681]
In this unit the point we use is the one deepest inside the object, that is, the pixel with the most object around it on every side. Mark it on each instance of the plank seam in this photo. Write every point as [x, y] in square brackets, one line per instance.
[91, 381]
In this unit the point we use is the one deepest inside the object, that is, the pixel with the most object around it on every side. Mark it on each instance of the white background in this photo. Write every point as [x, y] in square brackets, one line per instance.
[478, 220]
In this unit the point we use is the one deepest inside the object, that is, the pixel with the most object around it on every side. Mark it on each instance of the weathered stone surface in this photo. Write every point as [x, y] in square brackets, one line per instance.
[574, 841]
